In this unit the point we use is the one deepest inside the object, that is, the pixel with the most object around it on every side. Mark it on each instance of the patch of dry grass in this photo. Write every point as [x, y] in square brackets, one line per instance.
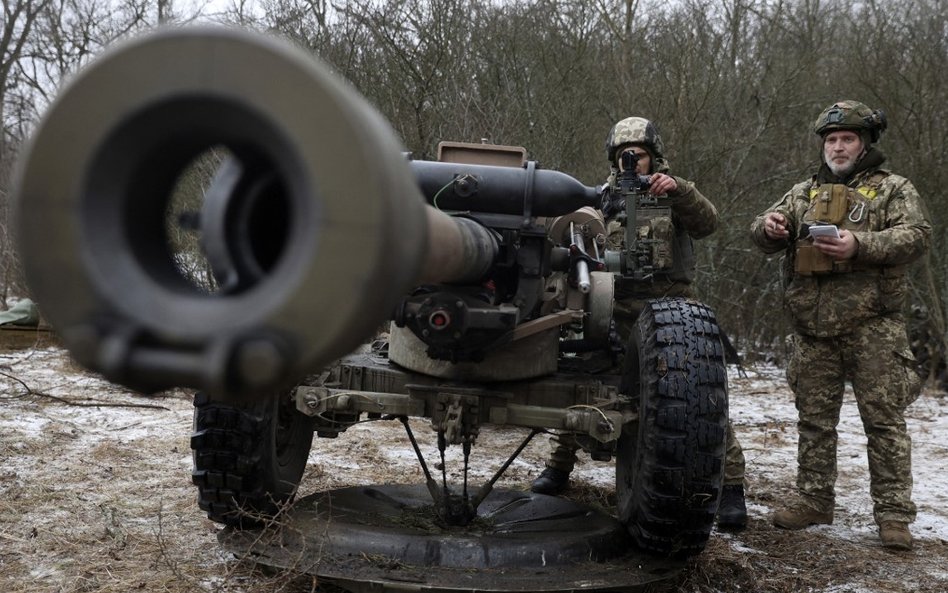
[771, 560]
[100, 500]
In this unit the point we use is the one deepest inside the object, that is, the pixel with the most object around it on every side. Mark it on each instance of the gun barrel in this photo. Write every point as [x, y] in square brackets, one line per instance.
[471, 253]
[318, 246]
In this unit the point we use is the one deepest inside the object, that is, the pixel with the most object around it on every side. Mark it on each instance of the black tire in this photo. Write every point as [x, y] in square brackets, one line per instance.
[670, 462]
[248, 457]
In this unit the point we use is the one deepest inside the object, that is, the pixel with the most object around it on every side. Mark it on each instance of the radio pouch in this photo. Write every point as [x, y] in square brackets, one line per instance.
[810, 260]
[663, 234]
[830, 203]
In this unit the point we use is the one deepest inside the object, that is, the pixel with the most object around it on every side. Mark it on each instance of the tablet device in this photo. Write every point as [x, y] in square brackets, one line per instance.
[824, 230]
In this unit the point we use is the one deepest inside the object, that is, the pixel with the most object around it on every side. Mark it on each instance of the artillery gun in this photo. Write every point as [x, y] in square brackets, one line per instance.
[318, 228]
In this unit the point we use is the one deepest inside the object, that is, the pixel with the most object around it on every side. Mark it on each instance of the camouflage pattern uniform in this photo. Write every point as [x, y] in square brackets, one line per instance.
[693, 217]
[849, 326]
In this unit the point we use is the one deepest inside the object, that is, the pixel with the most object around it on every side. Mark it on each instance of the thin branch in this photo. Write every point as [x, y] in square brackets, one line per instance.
[79, 404]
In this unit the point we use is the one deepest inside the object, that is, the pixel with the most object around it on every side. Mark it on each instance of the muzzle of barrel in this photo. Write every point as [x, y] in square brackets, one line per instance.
[320, 224]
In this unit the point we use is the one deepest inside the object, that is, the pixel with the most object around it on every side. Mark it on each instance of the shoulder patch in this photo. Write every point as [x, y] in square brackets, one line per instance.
[869, 188]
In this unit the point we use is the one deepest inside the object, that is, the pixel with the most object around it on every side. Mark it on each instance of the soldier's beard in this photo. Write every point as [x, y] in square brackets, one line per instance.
[845, 168]
[842, 169]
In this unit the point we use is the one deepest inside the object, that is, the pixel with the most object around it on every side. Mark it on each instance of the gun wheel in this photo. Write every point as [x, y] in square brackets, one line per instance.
[248, 457]
[669, 463]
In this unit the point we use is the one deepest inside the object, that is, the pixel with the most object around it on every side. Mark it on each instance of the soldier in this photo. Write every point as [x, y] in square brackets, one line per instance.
[845, 295]
[694, 217]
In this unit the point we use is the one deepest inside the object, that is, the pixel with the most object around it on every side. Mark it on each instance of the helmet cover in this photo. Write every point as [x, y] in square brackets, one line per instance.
[851, 115]
[634, 130]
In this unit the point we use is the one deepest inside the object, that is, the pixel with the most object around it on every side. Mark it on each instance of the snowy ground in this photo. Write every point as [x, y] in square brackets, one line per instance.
[95, 492]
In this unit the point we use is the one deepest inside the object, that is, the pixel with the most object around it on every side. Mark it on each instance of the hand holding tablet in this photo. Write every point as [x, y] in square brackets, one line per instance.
[824, 230]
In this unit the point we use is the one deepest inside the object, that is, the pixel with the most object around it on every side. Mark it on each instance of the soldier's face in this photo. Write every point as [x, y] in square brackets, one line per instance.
[644, 164]
[841, 150]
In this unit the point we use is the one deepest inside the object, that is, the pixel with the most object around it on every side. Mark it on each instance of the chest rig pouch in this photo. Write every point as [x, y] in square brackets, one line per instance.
[653, 235]
[656, 236]
[831, 203]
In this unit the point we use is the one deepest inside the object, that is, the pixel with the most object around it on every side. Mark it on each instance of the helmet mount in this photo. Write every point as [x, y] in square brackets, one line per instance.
[854, 116]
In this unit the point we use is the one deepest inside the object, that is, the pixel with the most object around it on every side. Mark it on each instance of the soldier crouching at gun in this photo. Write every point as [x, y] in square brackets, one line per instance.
[659, 215]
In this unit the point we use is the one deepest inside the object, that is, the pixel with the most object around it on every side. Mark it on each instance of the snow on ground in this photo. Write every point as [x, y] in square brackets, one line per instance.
[764, 416]
[95, 484]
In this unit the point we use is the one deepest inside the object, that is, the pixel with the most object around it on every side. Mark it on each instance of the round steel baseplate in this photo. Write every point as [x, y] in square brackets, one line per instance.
[388, 538]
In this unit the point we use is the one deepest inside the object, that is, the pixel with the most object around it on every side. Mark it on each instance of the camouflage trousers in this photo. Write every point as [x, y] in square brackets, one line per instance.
[877, 361]
[626, 312]
[564, 445]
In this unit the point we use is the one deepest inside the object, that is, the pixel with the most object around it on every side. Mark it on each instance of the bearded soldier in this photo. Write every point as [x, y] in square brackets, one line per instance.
[845, 288]
[693, 217]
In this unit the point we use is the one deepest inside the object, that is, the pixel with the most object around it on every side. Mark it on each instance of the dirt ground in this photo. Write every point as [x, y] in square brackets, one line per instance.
[95, 493]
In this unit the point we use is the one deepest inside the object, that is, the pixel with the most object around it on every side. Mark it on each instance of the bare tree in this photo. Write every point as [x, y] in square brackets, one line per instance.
[19, 19]
[734, 86]
[43, 42]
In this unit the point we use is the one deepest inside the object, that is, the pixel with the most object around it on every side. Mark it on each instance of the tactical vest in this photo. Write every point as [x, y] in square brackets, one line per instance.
[672, 250]
[839, 204]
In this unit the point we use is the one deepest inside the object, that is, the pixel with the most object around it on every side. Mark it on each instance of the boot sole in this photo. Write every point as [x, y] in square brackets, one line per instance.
[549, 491]
[897, 546]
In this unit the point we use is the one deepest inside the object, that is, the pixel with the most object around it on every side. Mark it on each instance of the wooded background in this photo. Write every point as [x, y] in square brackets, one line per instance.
[734, 86]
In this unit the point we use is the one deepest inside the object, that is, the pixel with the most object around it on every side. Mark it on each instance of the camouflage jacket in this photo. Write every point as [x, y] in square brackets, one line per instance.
[693, 217]
[887, 218]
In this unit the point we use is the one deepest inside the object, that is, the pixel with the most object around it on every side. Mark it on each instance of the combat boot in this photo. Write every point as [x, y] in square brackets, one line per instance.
[732, 512]
[551, 481]
[895, 535]
[799, 516]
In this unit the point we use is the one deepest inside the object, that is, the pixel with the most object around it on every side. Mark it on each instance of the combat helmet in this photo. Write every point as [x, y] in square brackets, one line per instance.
[634, 130]
[851, 115]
